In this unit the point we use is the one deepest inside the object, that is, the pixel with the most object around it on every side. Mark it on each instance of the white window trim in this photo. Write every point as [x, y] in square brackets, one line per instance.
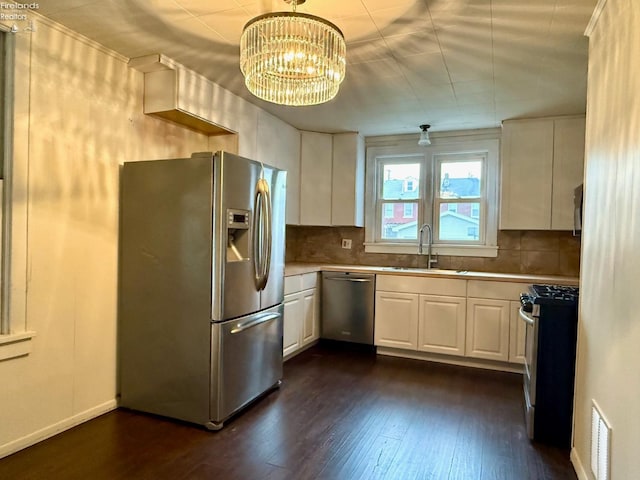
[15, 337]
[461, 142]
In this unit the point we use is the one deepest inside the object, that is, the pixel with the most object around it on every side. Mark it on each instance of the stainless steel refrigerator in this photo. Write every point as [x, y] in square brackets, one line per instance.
[201, 285]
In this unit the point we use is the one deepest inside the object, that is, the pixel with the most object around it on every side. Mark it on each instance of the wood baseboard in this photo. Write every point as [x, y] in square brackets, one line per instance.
[577, 465]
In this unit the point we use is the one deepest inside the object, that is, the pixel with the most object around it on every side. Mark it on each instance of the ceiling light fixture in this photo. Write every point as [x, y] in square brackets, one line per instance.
[424, 136]
[292, 58]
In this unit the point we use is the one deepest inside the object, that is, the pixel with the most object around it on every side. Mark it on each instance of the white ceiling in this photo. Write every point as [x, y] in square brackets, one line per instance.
[456, 64]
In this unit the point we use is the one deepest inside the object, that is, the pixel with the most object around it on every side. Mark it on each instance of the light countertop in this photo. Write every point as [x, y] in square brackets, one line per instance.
[301, 268]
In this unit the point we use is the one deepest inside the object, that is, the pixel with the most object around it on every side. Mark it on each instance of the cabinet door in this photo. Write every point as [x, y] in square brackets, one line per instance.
[516, 334]
[267, 133]
[279, 146]
[293, 312]
[310, 317]
[315, 178]
[347, 185]
[488, 329]
[441, 327]
[396, 320]
[526, 179]
[568, 169]
[290, 161]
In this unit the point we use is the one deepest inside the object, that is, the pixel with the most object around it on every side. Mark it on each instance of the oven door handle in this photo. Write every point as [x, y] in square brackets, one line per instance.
[526, 317]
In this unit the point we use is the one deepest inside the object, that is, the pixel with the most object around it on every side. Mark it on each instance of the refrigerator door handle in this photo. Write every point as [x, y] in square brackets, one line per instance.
[257, 238]
[241, 327]
[262, 234]
[267, 235]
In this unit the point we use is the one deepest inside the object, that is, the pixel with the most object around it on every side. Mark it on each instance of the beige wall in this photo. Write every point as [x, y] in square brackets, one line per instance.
[609, 325]
[534, 252]
[78, 117]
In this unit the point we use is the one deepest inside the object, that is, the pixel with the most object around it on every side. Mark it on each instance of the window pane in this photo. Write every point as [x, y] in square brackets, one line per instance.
[462, 224]
[408, 210]
[400, 181]
[460, 179]
[398, 225]
[388, 210]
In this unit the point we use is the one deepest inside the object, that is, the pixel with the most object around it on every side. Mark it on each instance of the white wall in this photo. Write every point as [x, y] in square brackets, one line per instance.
[609, 324]
[79, 112]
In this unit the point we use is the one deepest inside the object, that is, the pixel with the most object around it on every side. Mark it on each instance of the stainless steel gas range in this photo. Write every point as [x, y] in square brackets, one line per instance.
[551, 316]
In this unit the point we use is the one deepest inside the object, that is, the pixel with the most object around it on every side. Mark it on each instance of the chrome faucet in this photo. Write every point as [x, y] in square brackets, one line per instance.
[430, 242]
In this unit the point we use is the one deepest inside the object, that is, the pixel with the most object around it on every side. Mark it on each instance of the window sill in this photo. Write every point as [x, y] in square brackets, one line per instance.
[452, 250]
[15, 345]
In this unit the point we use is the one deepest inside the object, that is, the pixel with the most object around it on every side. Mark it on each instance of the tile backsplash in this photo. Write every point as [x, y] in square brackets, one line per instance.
[532, 252]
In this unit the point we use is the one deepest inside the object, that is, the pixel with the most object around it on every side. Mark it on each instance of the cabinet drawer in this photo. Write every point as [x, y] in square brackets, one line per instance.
[309, 280]
[424, 285]
[292, 284]
[495, 290]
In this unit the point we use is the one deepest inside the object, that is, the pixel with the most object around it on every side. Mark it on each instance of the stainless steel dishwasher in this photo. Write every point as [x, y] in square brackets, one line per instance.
[347, 306]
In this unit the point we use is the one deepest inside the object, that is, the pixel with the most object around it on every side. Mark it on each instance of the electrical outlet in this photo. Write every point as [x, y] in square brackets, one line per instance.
[346, 243]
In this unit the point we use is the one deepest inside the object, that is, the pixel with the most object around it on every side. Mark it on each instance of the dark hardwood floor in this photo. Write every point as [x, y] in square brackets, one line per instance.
[339, 415]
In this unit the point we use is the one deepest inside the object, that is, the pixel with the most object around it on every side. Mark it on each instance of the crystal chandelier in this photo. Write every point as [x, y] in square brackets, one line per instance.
[292, 58]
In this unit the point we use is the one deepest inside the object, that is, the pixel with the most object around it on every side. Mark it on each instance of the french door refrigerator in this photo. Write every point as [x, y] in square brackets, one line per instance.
[201, 285]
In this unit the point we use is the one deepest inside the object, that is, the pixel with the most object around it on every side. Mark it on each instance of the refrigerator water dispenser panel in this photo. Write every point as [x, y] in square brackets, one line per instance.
[237, 235]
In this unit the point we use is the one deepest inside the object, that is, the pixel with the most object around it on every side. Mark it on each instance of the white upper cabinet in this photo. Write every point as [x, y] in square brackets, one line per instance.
[542, 162]
[347, 192]
[278, 144]
[315, 178]
[568, 169]
[527, 166]
[331, 179]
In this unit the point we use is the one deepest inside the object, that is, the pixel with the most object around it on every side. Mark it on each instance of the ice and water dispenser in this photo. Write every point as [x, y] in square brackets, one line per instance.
[237, 235]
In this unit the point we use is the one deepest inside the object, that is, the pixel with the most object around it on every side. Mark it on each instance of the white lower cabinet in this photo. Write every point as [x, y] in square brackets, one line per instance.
[396, 320]
[494, 325]
[413, 314]
[310, 317]
[301, 326]
[475, 319]
[441, 324]
[293, 312]
[488, 329]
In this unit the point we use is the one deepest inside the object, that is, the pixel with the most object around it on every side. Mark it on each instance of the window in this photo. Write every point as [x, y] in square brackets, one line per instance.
[451, 187]
[15, 337]
[5, 67]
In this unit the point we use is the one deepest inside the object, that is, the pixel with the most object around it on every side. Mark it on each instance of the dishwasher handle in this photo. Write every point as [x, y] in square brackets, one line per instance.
[348, 279]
